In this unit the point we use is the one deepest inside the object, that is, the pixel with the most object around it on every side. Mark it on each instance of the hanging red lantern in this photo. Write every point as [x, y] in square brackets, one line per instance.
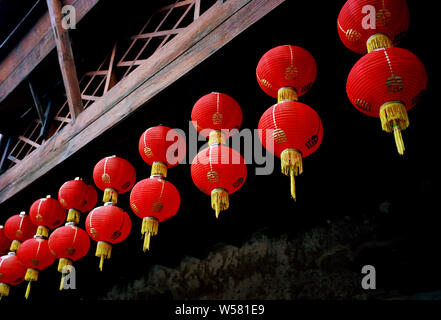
[216, 111]
[291, 130]
[46, 213]
[161, 147]
[154, 200]
[77, 196]
[5, 242]
[69, 244]
[114, 175]
[107, 225]
[286, 72]
[19, 228]
[12, 273]
[36, 256]
[386, 83]
[218, 171]
[360, 32]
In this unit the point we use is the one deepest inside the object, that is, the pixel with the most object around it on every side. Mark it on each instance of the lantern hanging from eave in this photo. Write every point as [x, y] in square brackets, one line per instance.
[218, 171]
[114, 175]
[154, 200]
[161, 147]
[5, 242]
[77, 197]
[286, 72]
[69, 244]
[291, 130]
[46, 213]
[386, 83]
[360, 32]
[36, 256]
[12, 273]
[107, 225]
[19, 228]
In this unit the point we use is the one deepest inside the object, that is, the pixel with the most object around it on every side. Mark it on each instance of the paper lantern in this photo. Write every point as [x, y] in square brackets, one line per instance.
[154, 200]
[114, 175]
[218, 171]
[107, 225]
[69, 244]
[46, 213]
[161, 147]
[36, 256]
[286, 72]
[12, 273]
[362, 29]
[386, 83]
[77, 196]
[5, 242]
[216, 111]
[19, 228]
[291, 130]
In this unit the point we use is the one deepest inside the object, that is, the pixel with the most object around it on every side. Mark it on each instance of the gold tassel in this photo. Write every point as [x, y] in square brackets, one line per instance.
[31, 275]
[286, 94]
[378, 41]
[63, 267]
[149, 229]
[394, 118]
[219, 200]
[159, 168]
[103, 251]
[14, 246]
[110, 195]
[4, 290]
[292, 165]
[216, 137]
[73, 215]
[42, 231]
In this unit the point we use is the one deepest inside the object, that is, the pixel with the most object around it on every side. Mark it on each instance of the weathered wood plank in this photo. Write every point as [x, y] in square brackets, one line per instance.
[215, 28]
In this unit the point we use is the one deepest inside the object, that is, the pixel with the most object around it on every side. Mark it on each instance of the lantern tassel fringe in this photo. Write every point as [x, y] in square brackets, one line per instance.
[4, 290]
[14, 246]
[292, 165]
[159, 168]
[378, 41]
[73, 215]
[31, 275]
[110, 195]
[219, 200]
[64, 266]
[286, 94]
[103, 251]
[42, 231]
[394, 118]
[149, 228]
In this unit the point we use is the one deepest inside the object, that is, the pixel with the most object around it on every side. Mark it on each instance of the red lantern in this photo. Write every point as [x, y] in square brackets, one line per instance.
[114, 175]
[12, 272]
[286, 72]
[386, 83]
[161, 147]
[360, 32]
[292, 131]
[19, 228]
[216, 111]
[36, 256]
[5, 242]
[77, 196]
[46, 213]
[68, 243]
[107, 225]
[218, 171]
[154, 200]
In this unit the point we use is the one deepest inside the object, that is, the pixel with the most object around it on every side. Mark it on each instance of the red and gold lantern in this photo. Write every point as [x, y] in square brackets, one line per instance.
[77, 196]
[36, 256]
[161, 147]
[107, 225]
[154, 200]
[19, 228]
[69, 244]
[114, 175]
[46, 213]
[12, 273]
[365, 25]
[386, 83]
[5, 242]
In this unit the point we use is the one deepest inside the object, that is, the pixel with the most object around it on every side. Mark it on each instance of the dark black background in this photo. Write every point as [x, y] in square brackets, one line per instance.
[355, 169]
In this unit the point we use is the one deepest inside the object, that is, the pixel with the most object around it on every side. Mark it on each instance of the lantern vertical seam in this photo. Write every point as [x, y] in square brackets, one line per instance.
[292, 58]
[105, 165]
[75, 236]
[21, 222]
[388, 62]
[39, 205]
[162, 190]
[274, 116]
[38, 248]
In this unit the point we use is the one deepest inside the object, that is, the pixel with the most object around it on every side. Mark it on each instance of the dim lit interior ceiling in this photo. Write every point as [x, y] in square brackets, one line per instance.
[355, 169]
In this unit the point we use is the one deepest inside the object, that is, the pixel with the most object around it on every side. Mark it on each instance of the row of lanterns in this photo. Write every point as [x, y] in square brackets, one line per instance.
[385, 83]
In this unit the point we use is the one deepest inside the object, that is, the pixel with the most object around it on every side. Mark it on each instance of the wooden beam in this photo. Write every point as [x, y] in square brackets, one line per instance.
[33, 48]
[210, 32]
[65, 59]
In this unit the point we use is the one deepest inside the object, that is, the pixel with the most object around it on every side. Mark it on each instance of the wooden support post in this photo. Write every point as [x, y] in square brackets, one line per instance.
[65, 58]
